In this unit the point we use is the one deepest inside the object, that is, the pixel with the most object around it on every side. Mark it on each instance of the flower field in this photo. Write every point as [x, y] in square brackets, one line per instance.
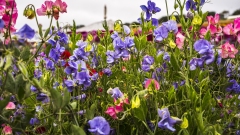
[146, 79]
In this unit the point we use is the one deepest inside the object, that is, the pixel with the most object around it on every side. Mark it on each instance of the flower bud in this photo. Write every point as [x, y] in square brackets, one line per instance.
[29, 13]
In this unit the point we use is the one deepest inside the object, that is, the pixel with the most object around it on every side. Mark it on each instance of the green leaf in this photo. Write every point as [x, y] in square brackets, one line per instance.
[204, 16]
[90, 112]
[66, 98]
[74, 105]
[10, 83]
[206, 102]
[141, 111]
[56, 99]
[20, 86]
[46, 32]
[25, 55]
[208, 36]
[48, 48]
[23, 68]
[1, 62]
[77, 130]
[3, 103]
[16, 52]
[8, 61]
[40, 30]
[174, 62]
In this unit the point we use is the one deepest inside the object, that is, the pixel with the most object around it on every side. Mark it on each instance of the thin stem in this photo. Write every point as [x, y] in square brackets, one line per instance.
[167, 9]
[36, 52]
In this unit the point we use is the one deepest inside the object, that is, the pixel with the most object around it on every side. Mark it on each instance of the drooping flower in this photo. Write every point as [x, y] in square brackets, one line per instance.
[99, 125]
[167, 122]
[228, 50]
[10, 106]
[26, 32]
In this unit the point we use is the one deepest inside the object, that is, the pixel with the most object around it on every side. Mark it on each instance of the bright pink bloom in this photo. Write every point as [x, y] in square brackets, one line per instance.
[228, 50]
[119, 108]
[7, 130]
[203, 32]
[232, 28]
[61, 6]
[150, 81]
[112, 112]
[213, 20]
[238, 38]
[180, 40]
[10, 106]
[45, 9]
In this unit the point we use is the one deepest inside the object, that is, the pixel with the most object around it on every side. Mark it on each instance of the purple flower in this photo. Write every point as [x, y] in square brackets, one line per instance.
[83, 78]
[1, 24]
[171, 25]
[81, 112]
[34, 121]
[160, 33]
[114, 35]
[116, 93]
[33, 89]
[63, 38]
[42, 97]
[94, 77]
[150, 9]
[202, 46]
[79, 53]
[167, 122]
[99, 125]
[190, 4]
[128, 41]
[107, 71]
[56, 52]
[196, 62]
[72, 68]
[69, 84]
[208, 58]
[147, 63]
[110, 57]
[126, 29]
[234, 87]
[81, 97]
[38, 73]
[25, 32]
[49, 64]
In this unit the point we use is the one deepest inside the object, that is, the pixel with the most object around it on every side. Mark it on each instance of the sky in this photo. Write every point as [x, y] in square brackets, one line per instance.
[87, 12]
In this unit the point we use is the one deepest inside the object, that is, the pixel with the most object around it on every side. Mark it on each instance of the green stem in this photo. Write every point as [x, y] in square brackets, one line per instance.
[149, 130]
[167, 9]
[75, 119]
[36, 52]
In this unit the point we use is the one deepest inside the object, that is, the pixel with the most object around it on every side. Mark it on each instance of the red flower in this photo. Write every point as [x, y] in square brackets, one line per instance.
[65, 55]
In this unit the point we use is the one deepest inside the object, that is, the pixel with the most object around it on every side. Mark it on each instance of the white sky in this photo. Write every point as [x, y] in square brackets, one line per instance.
[89, 11]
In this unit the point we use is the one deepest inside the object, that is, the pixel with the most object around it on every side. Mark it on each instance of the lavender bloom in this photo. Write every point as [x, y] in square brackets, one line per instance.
[69, 84]
[171, 25]
[209, 58]
[38, 73]
[99, 126]
[56, 52]
[83, 78]
[114, 35]
[128, 41]
[49, 64]
[126, 29]
[116, 93]
[110, 57]
[107, 71]
[79, 53]
[190, 4]
[147, 63]
[238, 132]
[42, 97]
[195, 62]
[160, 33]
[157, 74]
[38, 108]
[166, 56]
[33, 89]
[72, 68]
[81, 97]
[1, 24]
[202, 46]
[94, 77]
[167, 122]
[190, 14]
[150, 9]
[34, 121]
[234, 87]
[25, 32]
[81, 112]
[63, 38]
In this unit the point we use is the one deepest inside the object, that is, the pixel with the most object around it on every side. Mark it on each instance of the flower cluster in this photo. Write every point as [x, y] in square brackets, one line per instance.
[52, 8]
[192, 4]
[162, 32]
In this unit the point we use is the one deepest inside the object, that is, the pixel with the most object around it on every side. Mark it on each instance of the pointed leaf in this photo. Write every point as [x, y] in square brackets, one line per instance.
[77, 130]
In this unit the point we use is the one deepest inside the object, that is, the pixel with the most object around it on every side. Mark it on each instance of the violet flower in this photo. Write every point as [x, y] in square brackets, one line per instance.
[116, 93]
[34, 121]
[99, 126]
[83, 78]
[26, 32]
[147, 62]
[69, 84]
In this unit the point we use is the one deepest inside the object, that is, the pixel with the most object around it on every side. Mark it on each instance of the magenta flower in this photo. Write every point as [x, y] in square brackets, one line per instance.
[45, 9]
[228, 50]
[232, 28]
[61, 6]
[152, 81]
[10, 106]
[111, 112]
[180, 40]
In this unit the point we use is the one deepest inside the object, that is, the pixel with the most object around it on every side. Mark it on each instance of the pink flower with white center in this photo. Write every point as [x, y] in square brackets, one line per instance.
[10, 106]
[150, 81]
[228, 50]
[45, 9]
[180, 40]
[7, 130]
[112, 112]
[61, 6]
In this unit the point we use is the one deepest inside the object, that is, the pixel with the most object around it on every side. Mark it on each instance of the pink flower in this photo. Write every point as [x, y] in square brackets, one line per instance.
[228, 50]
[7, 130]
[203, 32]
[112, 112]
[150, 81]
[10, 106]
[238, 38]
[213, 20]
[45, 9]
[232, 28]
[180, 40]
[119, 108]
[61, 6]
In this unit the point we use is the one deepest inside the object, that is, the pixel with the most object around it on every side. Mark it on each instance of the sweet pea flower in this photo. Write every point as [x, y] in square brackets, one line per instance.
[45, 9]
[34, 121]
[7, 130]
[83, 78]
[171, 25]
[232, 28]
[61, 6]
[202, 46]
[99, 126]
[111, 112]
[180, 40]
[115, 92]
[190, 4]
[150, 81]
[147, 62]
[1, 24]
[25, 32]
[167, 122]
[10, 106]
[228, 50]
[69, 84]
[160, 33]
